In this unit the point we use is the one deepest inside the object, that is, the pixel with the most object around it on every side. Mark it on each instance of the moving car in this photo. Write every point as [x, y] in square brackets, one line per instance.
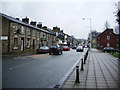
[55, 50]
[79, 49]
[109, 49]
[66, 48]
[43, 49]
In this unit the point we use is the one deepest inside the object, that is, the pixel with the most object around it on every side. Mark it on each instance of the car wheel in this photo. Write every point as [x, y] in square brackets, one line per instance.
[59, 53]
[49, 53]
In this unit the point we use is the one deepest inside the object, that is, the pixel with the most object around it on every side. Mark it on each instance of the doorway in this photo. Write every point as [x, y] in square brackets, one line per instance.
[22, 44]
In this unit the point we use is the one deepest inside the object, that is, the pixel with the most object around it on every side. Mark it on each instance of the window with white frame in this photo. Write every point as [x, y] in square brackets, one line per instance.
[28, 33]
[108, 44]
[15, 28]
[108, 37]
[44, 34]
[37, 44]
[33, 34]
[37, 34]
[28, 42]
[23, 30]
[41, 34]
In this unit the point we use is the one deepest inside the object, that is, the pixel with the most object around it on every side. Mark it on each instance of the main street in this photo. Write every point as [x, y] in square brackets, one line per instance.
[38, 70]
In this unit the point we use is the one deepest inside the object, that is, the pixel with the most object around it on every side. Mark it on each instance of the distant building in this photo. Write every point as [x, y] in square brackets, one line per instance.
[93, 38]
[108, 38]
[59, 35]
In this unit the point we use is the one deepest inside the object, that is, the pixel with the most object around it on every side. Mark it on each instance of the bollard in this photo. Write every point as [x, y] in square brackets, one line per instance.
[77, 74]
[84, 59]
[82, 65]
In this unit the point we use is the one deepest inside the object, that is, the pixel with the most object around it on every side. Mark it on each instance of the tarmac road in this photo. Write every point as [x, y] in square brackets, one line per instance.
[38, 70]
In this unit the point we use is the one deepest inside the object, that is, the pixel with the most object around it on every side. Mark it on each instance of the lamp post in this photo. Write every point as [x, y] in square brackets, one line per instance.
[90, 28]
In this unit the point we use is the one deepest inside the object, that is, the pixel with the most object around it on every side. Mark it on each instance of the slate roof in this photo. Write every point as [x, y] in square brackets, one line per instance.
[23, 23]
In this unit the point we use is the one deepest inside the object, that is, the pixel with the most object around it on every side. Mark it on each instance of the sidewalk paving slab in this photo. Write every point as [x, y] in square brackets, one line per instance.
[100, 71]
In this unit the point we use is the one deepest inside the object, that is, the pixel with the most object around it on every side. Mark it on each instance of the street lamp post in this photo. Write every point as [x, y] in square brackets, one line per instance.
[90, 28]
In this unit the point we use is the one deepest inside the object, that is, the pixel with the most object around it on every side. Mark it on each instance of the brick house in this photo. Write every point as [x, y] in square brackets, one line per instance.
[19, 36]
[107, 38]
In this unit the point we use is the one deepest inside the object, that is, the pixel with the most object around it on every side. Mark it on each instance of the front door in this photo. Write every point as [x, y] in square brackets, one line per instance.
[22, 44]
[33, 44]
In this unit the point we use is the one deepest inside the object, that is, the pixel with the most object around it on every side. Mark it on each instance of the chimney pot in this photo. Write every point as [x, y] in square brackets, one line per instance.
[39, 24]
[26, 20]
[33, 23]
[17, 18]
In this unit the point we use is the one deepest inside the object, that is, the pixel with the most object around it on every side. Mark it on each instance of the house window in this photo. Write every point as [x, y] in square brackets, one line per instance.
[41, 34]
[117, 45]
[37, 34]
[33, 33]
[37, 44]
[15, 43]
[108, 44]
[28, 32]
[15, 28]
[44, 34]
[28, 42]
[23, 30]
[108, 37]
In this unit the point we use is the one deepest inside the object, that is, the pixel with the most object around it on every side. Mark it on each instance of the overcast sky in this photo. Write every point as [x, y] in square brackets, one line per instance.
[65, 14]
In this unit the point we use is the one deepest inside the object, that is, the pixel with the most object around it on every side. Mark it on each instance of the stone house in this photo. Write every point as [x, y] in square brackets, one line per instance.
[20, 36]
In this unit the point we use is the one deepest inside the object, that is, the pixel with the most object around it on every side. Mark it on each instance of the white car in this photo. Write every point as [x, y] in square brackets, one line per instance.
[79, 49]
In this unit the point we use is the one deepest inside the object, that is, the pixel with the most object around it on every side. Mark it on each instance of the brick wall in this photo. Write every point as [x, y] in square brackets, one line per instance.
[107, 38]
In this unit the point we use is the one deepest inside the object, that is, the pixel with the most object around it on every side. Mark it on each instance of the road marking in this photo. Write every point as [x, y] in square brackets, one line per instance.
[19, 66]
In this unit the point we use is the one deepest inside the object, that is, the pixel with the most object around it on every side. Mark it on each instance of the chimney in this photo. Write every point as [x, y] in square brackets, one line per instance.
[33, 23]
[62, 31]
[44, 27]
[17, 18]
[26, 20]
[39, 24]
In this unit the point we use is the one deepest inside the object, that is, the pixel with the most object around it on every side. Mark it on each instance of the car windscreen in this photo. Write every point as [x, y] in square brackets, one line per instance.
[45, 47]
[42, 47]
[53, 47]
[65, 46]
[80, 47]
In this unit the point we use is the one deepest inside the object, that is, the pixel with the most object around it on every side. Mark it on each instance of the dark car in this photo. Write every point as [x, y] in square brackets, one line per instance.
[109, 49]
[73, 47]
[79, 49]
[66, 48]
[43, 49]
[55, 50]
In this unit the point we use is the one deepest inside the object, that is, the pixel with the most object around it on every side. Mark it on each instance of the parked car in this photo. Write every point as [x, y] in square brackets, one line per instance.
[66, 48]
[55, 50]
[43, 49]
[79, 49]
[109, 49]
[73, 47]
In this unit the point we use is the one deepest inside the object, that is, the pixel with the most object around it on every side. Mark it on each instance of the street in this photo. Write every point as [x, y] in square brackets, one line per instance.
[38, 70]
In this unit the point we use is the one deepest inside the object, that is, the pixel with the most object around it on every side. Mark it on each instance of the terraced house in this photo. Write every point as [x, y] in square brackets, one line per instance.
[20, 36]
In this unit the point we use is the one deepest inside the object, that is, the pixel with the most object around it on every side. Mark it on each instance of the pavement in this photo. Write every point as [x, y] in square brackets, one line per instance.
[100, 71]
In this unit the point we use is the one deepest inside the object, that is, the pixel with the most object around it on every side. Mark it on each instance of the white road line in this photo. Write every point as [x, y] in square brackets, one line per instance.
[19, 66]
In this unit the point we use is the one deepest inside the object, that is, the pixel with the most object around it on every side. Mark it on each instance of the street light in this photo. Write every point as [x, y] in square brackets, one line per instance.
[90, 28]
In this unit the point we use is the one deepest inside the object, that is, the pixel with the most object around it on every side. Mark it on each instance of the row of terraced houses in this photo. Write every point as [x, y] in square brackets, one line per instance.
[19, 36]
